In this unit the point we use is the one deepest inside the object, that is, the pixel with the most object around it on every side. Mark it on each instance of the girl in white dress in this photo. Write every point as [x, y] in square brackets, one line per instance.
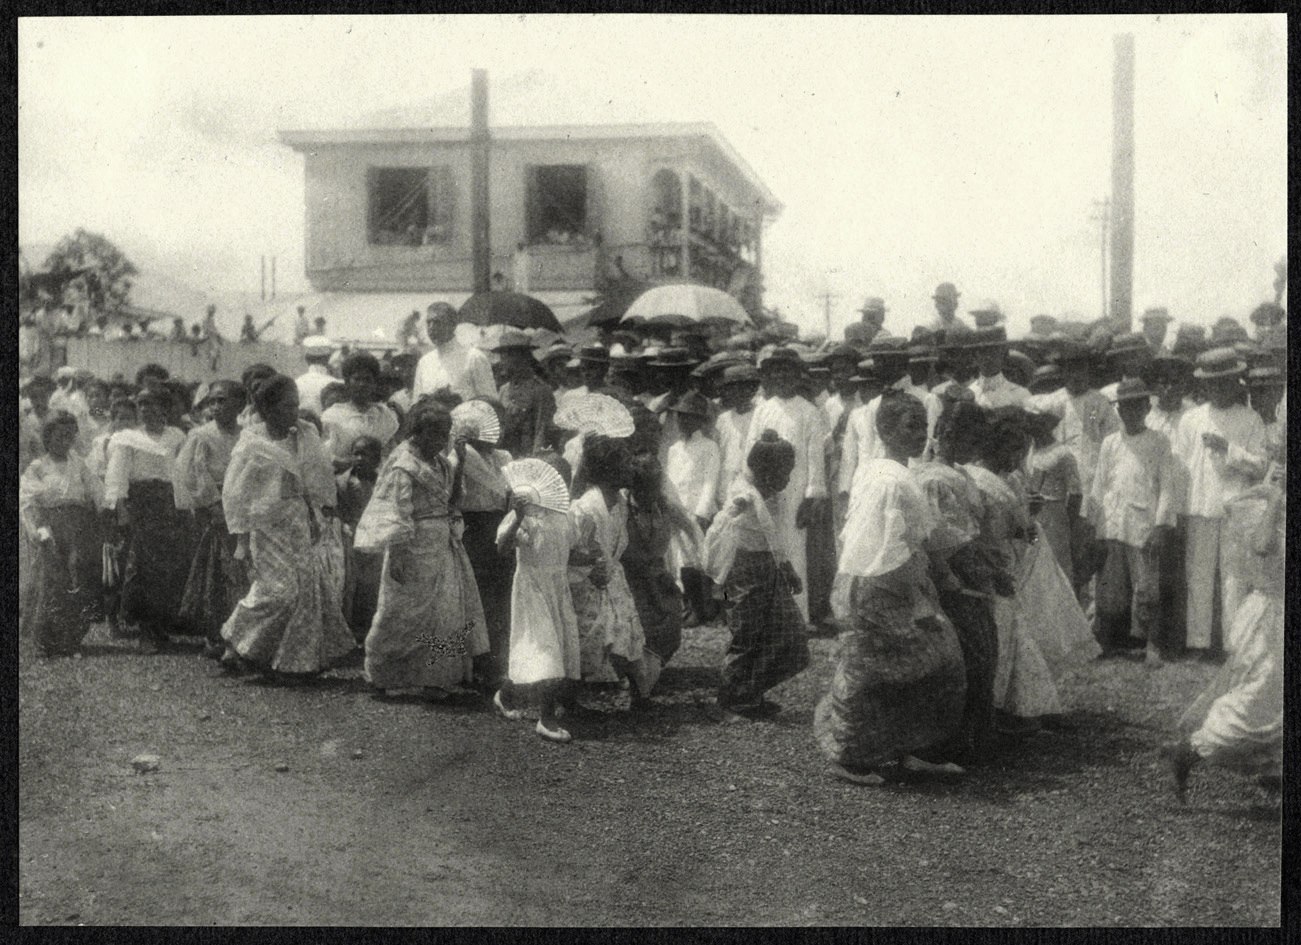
[543, 661]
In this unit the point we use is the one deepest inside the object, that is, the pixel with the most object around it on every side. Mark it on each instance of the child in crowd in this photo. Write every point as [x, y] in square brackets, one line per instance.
[361, 569]
[1132, 505]
[544, 662]
[610, 632]
[692, 469]
[1055, 479]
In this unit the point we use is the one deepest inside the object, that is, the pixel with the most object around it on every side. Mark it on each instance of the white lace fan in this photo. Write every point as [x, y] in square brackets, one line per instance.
[538, 483]
[595, 413]
[476, 420]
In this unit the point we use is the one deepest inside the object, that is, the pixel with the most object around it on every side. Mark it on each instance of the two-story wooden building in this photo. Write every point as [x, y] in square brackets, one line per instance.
[571, 208]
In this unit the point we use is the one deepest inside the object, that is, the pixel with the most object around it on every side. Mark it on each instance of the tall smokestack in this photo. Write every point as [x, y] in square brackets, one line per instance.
[1122, 182]
[479, 145]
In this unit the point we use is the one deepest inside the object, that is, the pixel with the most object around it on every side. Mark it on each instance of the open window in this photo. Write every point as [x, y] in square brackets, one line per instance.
[557, 204]
[409, 206]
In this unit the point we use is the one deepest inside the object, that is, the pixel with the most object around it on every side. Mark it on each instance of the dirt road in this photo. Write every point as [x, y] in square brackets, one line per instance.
[408, 814]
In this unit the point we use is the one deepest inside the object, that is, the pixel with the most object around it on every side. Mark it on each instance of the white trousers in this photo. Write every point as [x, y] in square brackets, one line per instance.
[1202, 567]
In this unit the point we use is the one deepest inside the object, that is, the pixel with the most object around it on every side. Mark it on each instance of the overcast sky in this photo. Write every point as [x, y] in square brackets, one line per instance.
[907, 150]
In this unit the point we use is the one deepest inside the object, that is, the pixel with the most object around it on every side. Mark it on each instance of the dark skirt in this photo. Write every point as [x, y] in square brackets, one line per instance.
[361, 576]
[494, 573]
[158, 558]
[65, 584]
[769, 641]
[900, 685]
[217, 580]
[821, 549]
[656, 594]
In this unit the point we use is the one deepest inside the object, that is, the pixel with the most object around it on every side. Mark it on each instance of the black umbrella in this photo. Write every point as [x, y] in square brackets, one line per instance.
[614, 303]
[508, 308]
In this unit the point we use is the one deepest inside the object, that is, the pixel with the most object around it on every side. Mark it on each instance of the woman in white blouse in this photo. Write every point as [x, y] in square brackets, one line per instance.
[57, 496]
[138, 497]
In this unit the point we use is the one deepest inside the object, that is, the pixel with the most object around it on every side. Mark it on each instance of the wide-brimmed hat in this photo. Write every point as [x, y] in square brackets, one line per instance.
[946, 290]
[739, 374]
[1265, 376]
[1217, 363]
[1044, 375]
[1227, 331]
[954, 337]
[919, 354]
[779, 354]
[596, 354]
[513, 341]
[674, 358]
[1131, 388]
[1043, 324]
[873, 305]
[866, 372]
[1129, 343]
[718, 362]
[986, 314]
[994, 336]
[844, 351]
[1157, 313]
[547, 355]
[888, 346]
[693, 403]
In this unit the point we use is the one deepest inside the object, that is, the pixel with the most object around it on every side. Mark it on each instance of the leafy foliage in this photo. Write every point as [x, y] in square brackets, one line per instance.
[108, 279]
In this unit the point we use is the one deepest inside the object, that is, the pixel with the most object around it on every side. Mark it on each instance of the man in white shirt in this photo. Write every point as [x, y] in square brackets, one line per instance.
[316, 352]
[1222, 445]
[990, 388]
[1133, 503]
[737, 389]
[800, 423]
[464, 370]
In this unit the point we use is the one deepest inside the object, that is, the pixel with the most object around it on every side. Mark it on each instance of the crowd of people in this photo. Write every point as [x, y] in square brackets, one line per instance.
[974, 517]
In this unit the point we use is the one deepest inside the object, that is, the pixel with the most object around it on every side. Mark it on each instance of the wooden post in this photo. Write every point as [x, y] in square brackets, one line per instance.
[479, 148]
[1122, 182]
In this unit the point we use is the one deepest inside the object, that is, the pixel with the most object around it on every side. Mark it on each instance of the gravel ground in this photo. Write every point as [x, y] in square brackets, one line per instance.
[323, 805]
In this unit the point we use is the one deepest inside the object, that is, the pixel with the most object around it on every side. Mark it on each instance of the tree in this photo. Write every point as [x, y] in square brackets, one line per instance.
[108, 281]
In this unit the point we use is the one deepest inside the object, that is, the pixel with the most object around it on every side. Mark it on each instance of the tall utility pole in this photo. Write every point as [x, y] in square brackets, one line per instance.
[827, 298]
[1122, 181]
[1102, 216]
[480, 144]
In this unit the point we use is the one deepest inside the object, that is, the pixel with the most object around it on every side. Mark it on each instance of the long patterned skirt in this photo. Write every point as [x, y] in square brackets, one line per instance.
[217, 580]
[429, 628]
[289, 621]
[900, 684]
[769, 641]
[158, 558]
[66, 594]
